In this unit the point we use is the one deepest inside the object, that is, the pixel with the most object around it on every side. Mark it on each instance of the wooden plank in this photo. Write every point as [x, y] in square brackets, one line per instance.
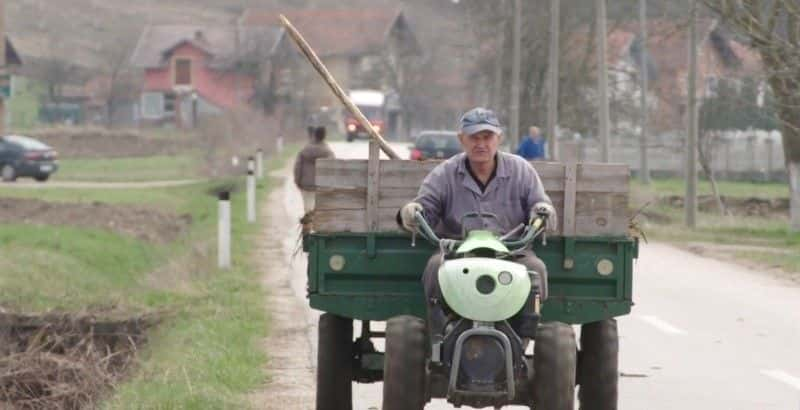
[570, 173]
[349, 220]
[373, 185]
[595, 177]
[600, 199]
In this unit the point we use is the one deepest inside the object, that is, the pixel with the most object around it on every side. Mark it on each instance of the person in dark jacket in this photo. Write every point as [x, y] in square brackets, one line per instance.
[532, 146]
[304, 166]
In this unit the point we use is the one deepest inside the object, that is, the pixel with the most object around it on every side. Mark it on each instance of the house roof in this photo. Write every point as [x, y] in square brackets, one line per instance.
[334, 32]
[226, 45]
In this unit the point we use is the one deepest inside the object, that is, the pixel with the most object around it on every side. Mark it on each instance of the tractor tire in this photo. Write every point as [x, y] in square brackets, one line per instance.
[335, 363]
[404, 381]
[554, 364]
[598, 366]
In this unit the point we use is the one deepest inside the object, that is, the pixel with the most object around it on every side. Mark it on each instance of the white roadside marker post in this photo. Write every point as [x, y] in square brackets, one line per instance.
[279, 144]
[260, 164]
[251, 197]
[224, 231]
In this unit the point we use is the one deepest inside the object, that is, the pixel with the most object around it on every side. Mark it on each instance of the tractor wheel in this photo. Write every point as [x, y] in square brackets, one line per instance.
[598, 366]
[404, 364]
[554, 364]
[335, 363]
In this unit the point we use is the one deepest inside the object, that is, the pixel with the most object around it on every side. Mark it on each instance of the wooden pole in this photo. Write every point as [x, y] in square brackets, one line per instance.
[337, 90]
[602, 79]
[690, 202]
[644, 166]
[3, 64]
[516, 62]
[552, 98]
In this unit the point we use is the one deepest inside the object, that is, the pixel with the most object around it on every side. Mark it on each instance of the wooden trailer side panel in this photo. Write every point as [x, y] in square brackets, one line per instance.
[591, 198]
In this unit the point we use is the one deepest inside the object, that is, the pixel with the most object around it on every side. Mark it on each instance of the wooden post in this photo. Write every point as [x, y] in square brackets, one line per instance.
[516, 62]
[644, 166]
[3, 63]
[334, 86]
[373, 187]
[224, 231]
[552, 97]
[602, 80]
[690, 201]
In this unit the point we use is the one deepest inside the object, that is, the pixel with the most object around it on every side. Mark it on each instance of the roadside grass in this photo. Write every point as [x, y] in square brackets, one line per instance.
[206, 352]
[768, 241]
[676, 186]
[209, 356]
[134, 169]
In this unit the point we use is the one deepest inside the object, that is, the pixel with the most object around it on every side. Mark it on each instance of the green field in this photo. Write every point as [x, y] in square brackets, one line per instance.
[766, 240]
[205, 354]
[159, 168]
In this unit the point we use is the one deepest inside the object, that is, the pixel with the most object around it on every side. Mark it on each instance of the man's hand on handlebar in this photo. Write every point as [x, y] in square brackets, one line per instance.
[407, 216]
[548, 213]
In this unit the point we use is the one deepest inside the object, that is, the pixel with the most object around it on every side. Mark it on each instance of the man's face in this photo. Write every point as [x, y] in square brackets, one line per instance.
[480, 147]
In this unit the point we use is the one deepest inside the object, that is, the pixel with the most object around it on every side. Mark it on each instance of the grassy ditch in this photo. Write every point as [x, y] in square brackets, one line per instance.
[131, 169]
[205, 352]
[755, 233]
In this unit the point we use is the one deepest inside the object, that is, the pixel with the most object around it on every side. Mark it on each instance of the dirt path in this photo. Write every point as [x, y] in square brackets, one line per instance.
[291, 374]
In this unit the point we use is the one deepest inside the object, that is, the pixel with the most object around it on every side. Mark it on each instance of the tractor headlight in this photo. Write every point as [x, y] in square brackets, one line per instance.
[505, 278]
[351, 127]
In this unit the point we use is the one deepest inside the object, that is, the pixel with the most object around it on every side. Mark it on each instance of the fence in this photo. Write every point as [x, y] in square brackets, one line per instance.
[743, 158]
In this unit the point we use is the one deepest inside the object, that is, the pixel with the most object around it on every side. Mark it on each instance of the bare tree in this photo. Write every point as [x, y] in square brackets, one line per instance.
[117, 83]
[773, 28]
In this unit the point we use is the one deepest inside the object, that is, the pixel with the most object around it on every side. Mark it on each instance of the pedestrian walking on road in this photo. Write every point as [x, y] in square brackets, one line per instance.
[532, 146]
[304, 166]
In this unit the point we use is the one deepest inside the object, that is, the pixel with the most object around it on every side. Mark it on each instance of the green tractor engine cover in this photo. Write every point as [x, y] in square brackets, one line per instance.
[484, 289]
[481, 240]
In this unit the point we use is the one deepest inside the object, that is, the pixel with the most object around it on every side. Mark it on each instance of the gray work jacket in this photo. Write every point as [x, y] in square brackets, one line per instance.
[449, 192]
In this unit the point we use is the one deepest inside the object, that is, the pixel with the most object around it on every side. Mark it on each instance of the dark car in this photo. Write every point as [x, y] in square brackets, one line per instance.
[26, 157]
[435, 145]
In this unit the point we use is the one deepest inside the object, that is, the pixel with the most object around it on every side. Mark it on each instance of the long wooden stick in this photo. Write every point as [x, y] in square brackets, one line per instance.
[326, 75]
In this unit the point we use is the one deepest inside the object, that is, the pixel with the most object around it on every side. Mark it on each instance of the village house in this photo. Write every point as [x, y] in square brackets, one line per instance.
[362, 48]
[192, 71]
[721, 61]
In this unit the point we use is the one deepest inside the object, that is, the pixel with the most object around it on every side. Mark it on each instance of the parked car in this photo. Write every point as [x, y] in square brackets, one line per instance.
[26, 157]
[435, 145]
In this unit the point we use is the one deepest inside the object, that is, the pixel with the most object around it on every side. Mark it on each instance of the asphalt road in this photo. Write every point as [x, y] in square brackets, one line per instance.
[27, 184]
[704, 334]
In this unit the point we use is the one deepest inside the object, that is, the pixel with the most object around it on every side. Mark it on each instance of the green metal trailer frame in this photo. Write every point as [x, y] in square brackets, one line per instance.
[375, 276]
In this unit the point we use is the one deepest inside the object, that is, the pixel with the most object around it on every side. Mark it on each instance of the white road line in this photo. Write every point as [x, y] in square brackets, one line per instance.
[661, 325]
[782, 376]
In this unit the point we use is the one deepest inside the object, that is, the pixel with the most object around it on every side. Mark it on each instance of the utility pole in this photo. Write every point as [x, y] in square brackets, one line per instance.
[644, 166]
[602, 79]
[552, 100]
[690, 201]
[516, 62]
[3, 64]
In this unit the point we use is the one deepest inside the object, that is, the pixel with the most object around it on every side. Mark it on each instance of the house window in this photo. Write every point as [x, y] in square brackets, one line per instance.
[152, 106]
[169, 104]
[183, 71]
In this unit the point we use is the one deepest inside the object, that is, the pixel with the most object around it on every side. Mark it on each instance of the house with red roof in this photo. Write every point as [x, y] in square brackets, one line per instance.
[362, 48]
[191, 71]
[721, 59]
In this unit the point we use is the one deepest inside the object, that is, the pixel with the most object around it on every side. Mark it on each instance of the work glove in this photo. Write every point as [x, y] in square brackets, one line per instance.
[545, 209]
[407, 215]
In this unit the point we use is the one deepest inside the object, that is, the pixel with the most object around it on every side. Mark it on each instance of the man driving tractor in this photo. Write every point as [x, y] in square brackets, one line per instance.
[486, 181]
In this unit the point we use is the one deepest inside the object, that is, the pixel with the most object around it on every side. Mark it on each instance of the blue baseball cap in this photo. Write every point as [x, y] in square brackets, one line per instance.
[480, 119]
